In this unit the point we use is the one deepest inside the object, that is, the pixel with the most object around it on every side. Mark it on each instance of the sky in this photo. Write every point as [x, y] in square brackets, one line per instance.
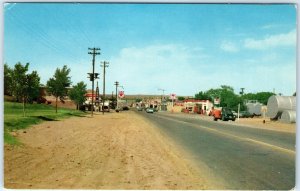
[181, 48]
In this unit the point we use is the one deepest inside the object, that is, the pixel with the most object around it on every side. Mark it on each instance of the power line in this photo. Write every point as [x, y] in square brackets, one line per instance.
[37, 33]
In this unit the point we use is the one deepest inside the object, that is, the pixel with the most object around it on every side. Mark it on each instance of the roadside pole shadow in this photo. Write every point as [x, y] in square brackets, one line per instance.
[77, 115]
[46, 118]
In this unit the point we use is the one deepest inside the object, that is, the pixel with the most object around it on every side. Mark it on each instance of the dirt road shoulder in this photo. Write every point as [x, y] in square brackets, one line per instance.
[111, 151]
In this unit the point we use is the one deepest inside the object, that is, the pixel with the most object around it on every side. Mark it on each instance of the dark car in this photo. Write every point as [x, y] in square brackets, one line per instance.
[246, 114]
[227, 114]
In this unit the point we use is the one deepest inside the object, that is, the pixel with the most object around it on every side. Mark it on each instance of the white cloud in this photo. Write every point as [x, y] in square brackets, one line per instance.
[167, 66]
[229, 46]
[286, 39]
[186, 70]
[270, 26]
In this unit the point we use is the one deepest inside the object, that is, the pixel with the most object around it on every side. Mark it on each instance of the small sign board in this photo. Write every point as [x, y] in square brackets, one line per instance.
[172, 96]
[121, 94]
[217, 101]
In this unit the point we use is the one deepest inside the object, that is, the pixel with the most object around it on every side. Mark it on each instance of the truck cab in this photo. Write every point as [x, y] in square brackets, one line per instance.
[224, 114]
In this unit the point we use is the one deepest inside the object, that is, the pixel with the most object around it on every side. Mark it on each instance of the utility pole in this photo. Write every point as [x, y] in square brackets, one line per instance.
[242, 91]
[92, 75]
[116, 84]
[97, 102]
[104, 65]
[163, 90]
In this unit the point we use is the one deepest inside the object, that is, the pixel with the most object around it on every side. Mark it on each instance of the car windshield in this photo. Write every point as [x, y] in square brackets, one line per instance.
[227, 110]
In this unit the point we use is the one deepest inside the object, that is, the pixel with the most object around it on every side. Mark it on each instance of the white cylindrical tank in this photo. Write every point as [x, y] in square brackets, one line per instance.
[277, 104]
[257, 108]
[254, 108]
[288, 116]
[251, 107]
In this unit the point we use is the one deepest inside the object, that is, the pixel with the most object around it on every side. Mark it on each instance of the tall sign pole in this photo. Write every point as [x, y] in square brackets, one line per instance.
[104, 65]
[116, 84]
[92, 75]
[161, 97]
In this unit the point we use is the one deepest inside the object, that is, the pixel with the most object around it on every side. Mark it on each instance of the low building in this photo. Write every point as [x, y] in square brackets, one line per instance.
[198, 106]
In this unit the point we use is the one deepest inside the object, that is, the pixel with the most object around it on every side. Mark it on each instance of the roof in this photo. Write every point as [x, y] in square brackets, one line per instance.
[194, 100]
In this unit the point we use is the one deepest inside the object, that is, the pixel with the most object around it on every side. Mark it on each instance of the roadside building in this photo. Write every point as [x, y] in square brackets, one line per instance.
[191, 106]
[198, 106]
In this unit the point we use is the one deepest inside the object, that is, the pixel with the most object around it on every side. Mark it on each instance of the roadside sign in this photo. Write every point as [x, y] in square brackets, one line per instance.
[173, 96]
[121, 94]
[216, 101]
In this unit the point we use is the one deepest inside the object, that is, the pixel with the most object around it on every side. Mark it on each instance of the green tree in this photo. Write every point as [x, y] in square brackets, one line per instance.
[24, 87]
[57, 86]
[203, 96]
[33, 86]
[77, 94]
[138, 100]
[19, 78]
[180, 98]
[8, 73]
[261, 97]
[225, 94]
[227, 97]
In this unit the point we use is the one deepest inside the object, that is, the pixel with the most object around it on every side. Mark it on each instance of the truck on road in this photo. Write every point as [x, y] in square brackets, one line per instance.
[224, 114]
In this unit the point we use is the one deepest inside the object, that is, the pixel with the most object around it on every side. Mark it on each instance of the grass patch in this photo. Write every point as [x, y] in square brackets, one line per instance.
[9, 139]
[35, 113]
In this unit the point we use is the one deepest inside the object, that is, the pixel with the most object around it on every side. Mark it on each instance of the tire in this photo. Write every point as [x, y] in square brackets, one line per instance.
[215, 119]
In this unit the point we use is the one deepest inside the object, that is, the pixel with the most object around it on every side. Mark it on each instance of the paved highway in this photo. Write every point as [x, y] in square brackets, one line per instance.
[237, 157]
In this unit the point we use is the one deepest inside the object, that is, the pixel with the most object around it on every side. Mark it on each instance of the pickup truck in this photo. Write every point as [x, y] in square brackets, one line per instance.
[224, 114]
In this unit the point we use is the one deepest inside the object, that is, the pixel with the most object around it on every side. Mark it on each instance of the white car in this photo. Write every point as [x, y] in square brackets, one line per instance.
[150, 110]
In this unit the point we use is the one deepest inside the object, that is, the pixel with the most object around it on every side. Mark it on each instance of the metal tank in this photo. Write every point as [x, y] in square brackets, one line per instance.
[277, 104]
[254, 108]
[251, 107]
[257, 108]
[288, 116]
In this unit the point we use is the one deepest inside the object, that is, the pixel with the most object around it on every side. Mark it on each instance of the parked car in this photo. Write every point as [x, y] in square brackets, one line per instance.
[235, 114]
[150, 110]
[139, 108]
[125, 108]
[246, 114]
[224, 114]
[106, 108]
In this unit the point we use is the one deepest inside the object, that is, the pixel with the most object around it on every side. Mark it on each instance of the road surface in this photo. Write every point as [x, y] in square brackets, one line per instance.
[236, 156]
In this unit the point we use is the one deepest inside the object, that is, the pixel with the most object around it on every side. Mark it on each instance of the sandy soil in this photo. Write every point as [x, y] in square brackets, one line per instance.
[111, 151]
[257, 122]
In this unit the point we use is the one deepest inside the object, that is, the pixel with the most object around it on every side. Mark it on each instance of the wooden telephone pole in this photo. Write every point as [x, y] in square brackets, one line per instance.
[92, 75]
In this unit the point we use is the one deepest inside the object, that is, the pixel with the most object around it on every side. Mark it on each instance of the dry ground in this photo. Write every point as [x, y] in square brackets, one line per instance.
[257, 122]
[111, 151]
